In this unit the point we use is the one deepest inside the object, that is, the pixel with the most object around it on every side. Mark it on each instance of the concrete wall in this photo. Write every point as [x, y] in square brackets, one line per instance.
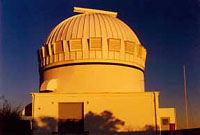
[167, 113]
[92, 78]
[135, 109]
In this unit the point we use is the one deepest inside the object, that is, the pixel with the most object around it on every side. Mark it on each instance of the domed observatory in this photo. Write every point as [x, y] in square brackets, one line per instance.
[93, 64]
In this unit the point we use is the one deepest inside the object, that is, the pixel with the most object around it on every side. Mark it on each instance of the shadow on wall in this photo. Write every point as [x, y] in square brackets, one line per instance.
[104, 123]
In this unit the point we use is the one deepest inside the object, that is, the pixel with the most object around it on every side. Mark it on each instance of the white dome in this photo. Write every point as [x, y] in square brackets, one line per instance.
[92, 25]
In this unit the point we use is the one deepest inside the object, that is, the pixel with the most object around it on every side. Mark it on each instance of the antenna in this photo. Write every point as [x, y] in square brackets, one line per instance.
[185, 97]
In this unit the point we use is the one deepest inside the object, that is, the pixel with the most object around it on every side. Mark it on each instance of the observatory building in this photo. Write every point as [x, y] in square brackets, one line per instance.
[91, 63]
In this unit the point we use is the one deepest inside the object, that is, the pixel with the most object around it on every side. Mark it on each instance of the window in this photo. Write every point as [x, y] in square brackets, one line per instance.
[139, 51]
[130, 47]
[58, 47]
[95, 44]
[165, 121]
[75, 44]
[114, 44]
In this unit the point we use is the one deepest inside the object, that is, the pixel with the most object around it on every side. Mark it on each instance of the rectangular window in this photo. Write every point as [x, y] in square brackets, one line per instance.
[114, 44]
[130, 47]
[165, 121]
[75, 44]
[139, 51]
[58, 47]
[95, 44]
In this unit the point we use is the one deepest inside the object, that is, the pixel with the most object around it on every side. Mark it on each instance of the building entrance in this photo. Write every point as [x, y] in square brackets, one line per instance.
[71, 117]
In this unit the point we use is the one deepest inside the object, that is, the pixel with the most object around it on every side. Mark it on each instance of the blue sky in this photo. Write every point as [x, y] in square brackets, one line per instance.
[169, 29]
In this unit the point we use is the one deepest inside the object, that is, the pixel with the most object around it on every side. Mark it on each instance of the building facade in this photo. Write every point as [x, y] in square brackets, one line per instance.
[92, 63]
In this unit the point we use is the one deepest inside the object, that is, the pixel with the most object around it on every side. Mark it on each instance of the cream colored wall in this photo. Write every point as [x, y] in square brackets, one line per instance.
[167, 112]
[135, 109]
[93, 78]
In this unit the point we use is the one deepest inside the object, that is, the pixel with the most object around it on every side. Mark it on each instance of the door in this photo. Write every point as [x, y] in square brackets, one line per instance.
[71, 117]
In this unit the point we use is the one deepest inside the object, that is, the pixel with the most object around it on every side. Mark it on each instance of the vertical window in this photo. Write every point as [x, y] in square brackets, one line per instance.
[130, 47]
[71, 117]
[58, 47]
[165, 122]
[139, 54]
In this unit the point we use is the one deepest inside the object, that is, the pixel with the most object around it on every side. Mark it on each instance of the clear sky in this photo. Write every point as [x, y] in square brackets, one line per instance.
[169, 29]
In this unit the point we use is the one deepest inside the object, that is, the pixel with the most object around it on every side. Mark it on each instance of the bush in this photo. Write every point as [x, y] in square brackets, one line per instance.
[11, 122]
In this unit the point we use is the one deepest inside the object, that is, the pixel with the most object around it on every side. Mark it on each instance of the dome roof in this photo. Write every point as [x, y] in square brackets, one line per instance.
[95, 36]
[92, 25]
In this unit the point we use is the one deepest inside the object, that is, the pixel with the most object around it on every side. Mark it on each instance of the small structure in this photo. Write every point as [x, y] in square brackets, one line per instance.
[94, 62]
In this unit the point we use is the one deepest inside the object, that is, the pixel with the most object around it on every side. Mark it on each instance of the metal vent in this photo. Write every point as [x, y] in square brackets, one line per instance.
[129, 47]
[95, 43]
[114, 44]
[75, 45]
[58, 47]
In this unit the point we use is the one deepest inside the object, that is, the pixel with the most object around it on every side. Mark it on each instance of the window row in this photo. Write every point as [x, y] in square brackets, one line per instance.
[95, 44]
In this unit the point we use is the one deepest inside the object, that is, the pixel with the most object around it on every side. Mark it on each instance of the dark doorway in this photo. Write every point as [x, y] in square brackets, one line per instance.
[71, 117]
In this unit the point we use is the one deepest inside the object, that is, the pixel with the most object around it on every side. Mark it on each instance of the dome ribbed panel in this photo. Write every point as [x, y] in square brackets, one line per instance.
[75, 27]
[91, 25]
[86, 27]
[114, 31]
[92, 28]
[81, 26]
[64, 33]
[97, 26]
[107, 26]
[131, 36]
[102, 26]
